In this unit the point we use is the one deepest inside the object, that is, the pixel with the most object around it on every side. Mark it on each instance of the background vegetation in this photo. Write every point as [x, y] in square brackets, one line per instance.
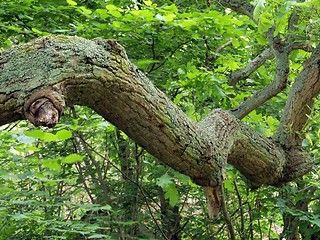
[85, 179]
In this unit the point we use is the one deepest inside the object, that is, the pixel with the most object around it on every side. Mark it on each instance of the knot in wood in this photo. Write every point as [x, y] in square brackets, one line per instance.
[44, 108]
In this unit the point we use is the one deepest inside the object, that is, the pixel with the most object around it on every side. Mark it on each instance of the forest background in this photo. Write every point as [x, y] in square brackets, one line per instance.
[85, 179]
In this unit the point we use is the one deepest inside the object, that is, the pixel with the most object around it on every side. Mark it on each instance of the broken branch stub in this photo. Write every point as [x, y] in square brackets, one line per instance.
[44, 108]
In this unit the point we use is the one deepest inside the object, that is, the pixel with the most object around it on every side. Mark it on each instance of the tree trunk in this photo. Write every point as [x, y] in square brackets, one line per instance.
[170, 218]
[37, 80]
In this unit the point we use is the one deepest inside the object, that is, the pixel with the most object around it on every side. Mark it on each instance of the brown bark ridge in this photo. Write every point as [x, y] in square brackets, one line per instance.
[58, 70]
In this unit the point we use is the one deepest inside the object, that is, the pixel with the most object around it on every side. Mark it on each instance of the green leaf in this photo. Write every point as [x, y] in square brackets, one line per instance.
[52, 164]
[164, 180]
[228, 184]
[142, 63]
[85, 10]
[172, 194]
[63, 134]
[259, 9]
[169, 187]
[116, 24]
[177, 98]
[145, 13]
[33, 149]
[36, 31]
[315, 221]
[71, 2]
[49, 137]
[73, 158]
[102, 13]
[116, 14]
[187, 23]
[171, 8]
[35, 133]
[169, 17]
[112, 7]
[265, 23]
[147, 2]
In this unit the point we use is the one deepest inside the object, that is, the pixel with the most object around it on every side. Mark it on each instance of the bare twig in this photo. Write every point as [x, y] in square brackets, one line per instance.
[155, 66]
[83, 145]
[250, 218]
[241, 210]
[142, 190]
[210, 58]
[226, 215]
[86, 187]
[303, 46]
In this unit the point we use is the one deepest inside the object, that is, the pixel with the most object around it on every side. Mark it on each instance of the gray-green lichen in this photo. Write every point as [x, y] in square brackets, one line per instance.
[47, 61]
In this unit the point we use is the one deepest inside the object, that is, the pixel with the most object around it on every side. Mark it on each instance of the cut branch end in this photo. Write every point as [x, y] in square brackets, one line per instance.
[44, 108]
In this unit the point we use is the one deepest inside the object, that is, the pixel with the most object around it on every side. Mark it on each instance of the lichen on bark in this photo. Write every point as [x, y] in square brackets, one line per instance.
[97, 73]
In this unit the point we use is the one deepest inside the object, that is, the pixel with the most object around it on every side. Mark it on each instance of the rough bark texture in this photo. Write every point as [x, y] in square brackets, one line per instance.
[300, 102]
[98, 74]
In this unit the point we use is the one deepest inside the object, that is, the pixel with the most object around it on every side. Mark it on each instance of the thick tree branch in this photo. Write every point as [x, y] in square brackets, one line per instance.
[300, 103]
[99, 75]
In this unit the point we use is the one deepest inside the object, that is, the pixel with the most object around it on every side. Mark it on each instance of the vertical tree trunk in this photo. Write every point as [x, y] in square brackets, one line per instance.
[291, 229]
[170, 218]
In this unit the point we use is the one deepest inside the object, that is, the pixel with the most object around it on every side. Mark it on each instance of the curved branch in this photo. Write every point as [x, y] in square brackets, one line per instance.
[99, 75]
[281, 52]
[300, 102]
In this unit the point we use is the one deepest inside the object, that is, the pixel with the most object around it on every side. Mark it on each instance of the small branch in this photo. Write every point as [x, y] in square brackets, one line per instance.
[258, 99]
[241, 209]
[250, 218]
[302, 46]
[210, 58]
[86, 187]
[142, 190]
[83, 146]
[281, 51]
[300, 103]
[244, 73]
[225, 213]
[154, 67]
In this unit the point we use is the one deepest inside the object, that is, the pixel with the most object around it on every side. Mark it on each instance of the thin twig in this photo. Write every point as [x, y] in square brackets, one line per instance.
[226, 215]
[214, 56]
[241, 209]
[142, 190]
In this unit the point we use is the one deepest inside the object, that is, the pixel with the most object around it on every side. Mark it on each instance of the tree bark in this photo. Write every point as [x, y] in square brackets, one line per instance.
[72, 70]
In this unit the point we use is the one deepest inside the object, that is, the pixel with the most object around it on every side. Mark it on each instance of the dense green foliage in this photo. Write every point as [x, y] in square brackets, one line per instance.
[85, 179]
